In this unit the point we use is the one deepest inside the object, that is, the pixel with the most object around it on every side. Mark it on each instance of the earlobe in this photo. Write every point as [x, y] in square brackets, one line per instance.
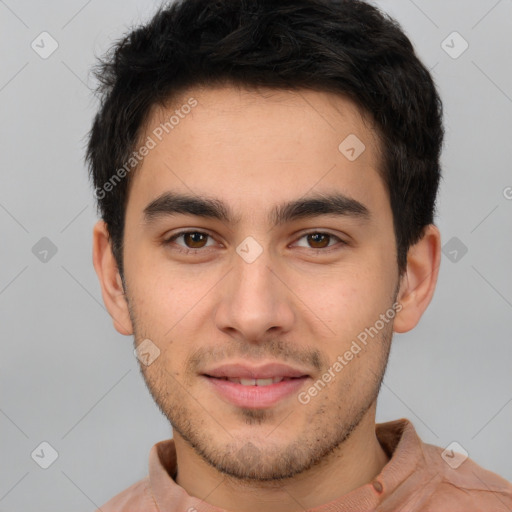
[110, 280]
[418, 284]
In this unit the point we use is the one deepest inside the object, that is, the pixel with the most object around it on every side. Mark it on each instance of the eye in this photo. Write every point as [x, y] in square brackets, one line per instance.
[191, 239]
[319, 240]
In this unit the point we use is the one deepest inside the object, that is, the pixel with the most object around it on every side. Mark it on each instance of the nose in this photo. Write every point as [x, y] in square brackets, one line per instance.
[254, 303]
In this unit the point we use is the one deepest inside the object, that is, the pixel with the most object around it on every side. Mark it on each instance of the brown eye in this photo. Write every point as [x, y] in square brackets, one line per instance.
[195, 240]
[318, 240]
[190, 240]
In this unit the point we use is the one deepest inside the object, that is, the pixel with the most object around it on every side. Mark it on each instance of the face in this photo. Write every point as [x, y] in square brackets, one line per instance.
[257, 250]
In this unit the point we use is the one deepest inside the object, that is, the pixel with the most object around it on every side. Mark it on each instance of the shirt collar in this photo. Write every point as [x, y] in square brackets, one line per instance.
[398, 438]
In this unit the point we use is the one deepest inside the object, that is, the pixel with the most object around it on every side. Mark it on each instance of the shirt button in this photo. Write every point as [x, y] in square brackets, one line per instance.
[377, 485]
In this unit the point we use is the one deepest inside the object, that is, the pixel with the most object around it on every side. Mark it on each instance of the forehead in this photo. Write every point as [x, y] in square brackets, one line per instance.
[256, 147]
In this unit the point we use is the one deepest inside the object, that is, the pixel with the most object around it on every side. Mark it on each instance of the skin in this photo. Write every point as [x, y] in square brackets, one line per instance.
[302, 301]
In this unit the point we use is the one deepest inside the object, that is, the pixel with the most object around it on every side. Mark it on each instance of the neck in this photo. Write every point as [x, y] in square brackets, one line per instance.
[356, 462]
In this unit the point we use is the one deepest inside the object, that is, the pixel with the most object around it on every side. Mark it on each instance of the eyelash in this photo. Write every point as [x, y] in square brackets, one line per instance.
[186, 250]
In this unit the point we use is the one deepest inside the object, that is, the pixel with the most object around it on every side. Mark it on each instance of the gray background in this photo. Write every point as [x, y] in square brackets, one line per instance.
[69, 379]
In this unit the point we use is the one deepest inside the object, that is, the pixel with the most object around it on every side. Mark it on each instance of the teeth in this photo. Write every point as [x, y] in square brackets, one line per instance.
[257, 382]
[264, 382]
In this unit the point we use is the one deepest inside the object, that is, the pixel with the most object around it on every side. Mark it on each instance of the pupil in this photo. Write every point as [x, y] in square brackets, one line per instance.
[194, 239]
[319, 238]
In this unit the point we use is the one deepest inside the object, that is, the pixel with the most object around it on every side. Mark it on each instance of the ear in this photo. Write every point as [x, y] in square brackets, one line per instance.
[419, 281]
[110, 279]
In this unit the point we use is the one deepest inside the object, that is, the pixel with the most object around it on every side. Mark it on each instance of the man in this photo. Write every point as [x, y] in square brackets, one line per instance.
[266, 174]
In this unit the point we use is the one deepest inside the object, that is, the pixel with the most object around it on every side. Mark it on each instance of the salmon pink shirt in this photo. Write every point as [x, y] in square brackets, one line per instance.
[416, 479]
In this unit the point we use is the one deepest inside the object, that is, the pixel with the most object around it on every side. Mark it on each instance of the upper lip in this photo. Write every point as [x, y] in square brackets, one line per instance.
[266, 371]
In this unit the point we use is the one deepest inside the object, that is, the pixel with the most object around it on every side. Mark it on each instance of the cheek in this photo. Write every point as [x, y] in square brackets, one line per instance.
[347, 297]
[165, 293]
[350, 305]
[169, 307]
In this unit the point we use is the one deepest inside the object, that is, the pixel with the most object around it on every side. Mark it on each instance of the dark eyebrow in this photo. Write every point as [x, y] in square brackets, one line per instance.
[325, 204]
[171, 203]
[308, 207]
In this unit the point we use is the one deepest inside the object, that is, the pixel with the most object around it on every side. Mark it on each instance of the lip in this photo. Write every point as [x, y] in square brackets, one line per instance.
[255, 397]
[245, 371]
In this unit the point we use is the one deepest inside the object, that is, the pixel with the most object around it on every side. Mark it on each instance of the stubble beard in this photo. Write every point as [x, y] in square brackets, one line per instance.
[259, 459]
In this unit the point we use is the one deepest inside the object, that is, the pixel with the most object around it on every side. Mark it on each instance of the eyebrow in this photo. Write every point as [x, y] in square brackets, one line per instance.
[337, 204]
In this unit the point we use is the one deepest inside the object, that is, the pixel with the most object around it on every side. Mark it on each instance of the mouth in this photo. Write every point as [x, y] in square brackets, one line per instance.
[255, 387]
[254, 382]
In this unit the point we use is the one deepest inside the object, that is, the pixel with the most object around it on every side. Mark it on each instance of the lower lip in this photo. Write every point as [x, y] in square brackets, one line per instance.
[256, 397]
